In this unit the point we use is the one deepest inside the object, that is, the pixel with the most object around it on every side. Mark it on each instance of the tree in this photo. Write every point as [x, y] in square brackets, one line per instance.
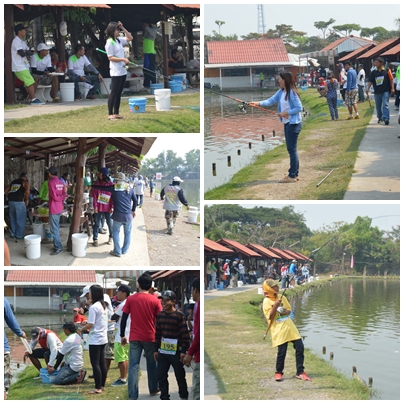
[373, 32]
[218, 37]
[192, 160]
[348, 28]
[219, 24]
[323, 25]
[253, 35]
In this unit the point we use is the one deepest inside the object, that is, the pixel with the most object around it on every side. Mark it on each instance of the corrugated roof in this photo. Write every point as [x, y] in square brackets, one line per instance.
[188, 5]
[356, 52]
[264, 251]
[378, 48]
[213, 246]
[293, 254]
[239, 247]
[254, 51]
[72, 5]
[283, 254]
[51, 276]
[392, 51]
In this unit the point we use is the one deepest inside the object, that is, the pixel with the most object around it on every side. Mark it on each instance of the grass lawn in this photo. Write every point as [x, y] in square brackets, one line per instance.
[243, 363]
[335, 143]
[26, 388]
[184, 117]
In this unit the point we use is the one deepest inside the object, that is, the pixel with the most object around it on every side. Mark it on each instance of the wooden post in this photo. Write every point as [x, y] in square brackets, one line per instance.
[370, 381]
[249, 145]
[165, 48]
[214, 169]
[78, 200]
[273, 133]
[9, 36]
[262, 137]
[229, 161]
[101, 154]
[331, 355]
[58, 15]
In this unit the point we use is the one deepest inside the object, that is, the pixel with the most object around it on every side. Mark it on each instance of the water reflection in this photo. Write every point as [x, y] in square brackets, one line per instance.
[358, 320]
[232, 134]
[191, 190]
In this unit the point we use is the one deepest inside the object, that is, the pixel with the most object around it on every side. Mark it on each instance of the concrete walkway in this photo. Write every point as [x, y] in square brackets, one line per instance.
[138, 254]
[50, 108]
[377, 168]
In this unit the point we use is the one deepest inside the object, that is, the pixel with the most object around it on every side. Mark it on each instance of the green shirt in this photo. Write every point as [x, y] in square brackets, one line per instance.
[43, 193]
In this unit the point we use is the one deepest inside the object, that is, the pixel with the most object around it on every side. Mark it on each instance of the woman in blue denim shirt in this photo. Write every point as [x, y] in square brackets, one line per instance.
[289, 109]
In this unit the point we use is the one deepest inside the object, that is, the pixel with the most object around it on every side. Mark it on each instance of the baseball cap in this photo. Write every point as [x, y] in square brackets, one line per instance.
[53, 170]
[168, 294]
[76, 309]
[125, 289]
[18, 27]
[86, 289]
[103, 170]
[294, 261]
[177, 179]
[36, 333]
[42, 46]
[70, 326]
[236, 259]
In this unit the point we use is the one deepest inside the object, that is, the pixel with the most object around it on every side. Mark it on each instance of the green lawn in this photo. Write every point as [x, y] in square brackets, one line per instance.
[184, 117]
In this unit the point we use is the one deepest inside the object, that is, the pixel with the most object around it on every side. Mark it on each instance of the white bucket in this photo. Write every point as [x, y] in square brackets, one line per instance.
[107, 84]
[260, 291]
[79, 244]
[67, 92]
[162, 97]
[39, 228]
[84, 90]
[192, 214]
[239, 283]
[157, 197]
[86, 197]
[32, 246]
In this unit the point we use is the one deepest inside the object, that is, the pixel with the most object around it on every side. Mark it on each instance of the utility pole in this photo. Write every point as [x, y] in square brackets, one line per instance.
[261, 22]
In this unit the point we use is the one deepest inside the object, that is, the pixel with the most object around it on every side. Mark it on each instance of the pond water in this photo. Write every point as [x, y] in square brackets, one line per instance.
[229, 133]
[359, 321]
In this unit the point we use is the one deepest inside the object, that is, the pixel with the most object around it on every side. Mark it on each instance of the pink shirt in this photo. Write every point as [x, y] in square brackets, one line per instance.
[57, 195]
[102, 199]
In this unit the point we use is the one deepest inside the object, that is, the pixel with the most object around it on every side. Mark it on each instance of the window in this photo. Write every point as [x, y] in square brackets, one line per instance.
[36, 292]
[235, 72]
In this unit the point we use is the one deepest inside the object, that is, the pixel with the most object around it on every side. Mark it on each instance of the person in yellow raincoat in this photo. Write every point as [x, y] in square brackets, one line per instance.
[277, 311]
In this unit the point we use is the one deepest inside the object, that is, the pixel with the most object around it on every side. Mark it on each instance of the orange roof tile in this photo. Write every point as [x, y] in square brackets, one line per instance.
[253, 51]
[392, 51]
[213, 246]
[378, 48]
[239, 247]
[356, 52]
[283, 254]
[54, 276]
[264, 251]
[343, 39]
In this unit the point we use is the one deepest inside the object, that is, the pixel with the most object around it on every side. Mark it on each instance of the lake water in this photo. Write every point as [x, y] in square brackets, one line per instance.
[191, 190]
[359, 321]
[229, 133]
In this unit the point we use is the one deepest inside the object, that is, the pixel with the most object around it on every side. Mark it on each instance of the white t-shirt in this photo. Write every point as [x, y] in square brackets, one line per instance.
[284, 106]
[40, 64]
[111, 324]
[78, 64]
[115, 48]
[139, 187]
[119, 312]
[99, 317]
[18, 63]
[72, 350]
[360, 82]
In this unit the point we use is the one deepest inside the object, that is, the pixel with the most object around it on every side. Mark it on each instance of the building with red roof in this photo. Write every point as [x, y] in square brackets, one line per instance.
[237, 64]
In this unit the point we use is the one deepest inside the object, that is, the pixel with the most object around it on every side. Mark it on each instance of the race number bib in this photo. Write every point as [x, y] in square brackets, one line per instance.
[15, 187]
[103, 198]
[379, 80]
[121, 186]
[168, 346]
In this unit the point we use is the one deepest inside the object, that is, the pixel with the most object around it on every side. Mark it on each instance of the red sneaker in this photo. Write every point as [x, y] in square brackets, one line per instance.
[303, 376]
[278, 377]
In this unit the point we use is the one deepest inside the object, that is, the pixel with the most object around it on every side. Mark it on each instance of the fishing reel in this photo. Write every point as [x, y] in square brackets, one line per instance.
[242, 107]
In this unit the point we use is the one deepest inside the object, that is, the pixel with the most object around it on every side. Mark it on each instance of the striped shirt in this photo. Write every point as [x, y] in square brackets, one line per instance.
[172, 326]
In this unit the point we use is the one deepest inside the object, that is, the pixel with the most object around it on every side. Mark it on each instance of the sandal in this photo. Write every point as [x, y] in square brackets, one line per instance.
[117, 116]
[95, 391]
[112, 118]
[287, 179]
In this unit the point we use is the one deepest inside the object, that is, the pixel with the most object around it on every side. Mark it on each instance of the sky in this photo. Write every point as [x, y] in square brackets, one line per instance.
[241, 19]
[317, 215]
[180, 144]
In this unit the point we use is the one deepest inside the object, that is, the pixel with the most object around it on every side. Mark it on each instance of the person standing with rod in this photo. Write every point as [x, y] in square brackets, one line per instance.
[117, 63]
[289, 109]
[149, 63]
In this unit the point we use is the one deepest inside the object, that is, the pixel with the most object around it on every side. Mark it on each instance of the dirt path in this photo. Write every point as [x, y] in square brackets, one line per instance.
[182, 248]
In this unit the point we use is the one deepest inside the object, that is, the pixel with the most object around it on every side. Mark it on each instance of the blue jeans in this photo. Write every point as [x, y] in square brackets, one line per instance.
[382, 106]
[139, 200]
[127, 232]
[18, 218]
[54, 224]
[136, 349]
[149, 69]
[242, 278]
[98, 223]
[291, 134]
[65, 376]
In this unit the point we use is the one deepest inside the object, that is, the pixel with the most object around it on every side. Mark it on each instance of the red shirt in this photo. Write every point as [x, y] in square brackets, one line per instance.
[194, 349]
[143, 309]
[79, 318]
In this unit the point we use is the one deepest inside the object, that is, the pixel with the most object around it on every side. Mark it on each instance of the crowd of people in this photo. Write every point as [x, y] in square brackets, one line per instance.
[119, 330]
[113, 201]
[231, 272]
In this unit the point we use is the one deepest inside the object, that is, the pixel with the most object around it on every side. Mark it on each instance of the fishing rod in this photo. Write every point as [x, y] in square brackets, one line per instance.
[243, 104]
[270, 322]
[144, 68]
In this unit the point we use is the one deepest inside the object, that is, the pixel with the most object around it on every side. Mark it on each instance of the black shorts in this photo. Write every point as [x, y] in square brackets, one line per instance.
[41, 353]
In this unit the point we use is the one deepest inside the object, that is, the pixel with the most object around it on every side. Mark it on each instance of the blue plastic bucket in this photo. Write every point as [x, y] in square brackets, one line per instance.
[155, 87]
[339, 103]
[303, 88]
[220, 286]
[137, 105]
[175, 86]
[177, 77]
